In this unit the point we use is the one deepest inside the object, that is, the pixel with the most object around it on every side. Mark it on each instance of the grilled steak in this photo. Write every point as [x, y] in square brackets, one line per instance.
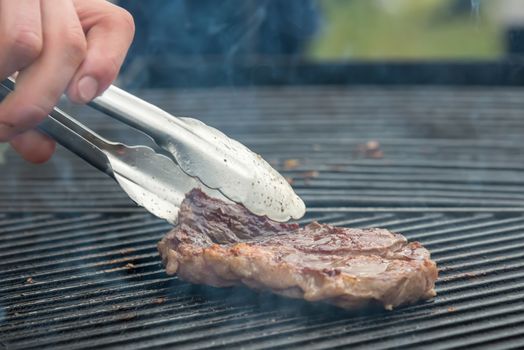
[222, 244]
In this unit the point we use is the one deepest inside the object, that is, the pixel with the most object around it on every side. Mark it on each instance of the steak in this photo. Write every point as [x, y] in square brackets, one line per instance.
[223, 244]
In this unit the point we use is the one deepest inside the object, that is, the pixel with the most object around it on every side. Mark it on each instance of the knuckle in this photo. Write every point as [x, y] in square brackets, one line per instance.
[40, 115]
[27, 115]
[106, 68]
[75, 45]
[104, 72]
[25, 44]
[109, 71]
[126, 20]
[33, 116]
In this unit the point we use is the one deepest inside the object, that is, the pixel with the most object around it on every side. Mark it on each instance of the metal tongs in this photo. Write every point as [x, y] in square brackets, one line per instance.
[193, 155]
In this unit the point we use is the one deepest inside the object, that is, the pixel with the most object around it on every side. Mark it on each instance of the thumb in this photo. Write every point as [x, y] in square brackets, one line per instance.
[109, 33]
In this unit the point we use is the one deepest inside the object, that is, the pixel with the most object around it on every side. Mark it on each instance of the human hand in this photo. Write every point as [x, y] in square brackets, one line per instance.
[56, 46]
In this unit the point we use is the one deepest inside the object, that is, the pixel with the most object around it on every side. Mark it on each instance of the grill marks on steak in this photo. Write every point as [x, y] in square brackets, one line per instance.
[222, 244]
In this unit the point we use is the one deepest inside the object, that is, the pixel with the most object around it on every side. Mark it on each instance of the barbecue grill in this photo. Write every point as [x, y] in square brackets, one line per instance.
[78, 260]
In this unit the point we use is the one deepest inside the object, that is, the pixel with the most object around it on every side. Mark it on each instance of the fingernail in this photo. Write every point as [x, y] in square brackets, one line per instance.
[87, 88]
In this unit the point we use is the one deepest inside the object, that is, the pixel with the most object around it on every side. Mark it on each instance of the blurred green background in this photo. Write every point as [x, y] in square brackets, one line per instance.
[414, 29]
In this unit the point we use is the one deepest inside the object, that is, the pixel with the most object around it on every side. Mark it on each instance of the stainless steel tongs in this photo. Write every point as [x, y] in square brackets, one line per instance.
[196, 156]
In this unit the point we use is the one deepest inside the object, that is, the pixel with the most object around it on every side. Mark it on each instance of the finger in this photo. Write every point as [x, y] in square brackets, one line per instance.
[33, 146]
[40, 85]
[109, 30]
[20, 34]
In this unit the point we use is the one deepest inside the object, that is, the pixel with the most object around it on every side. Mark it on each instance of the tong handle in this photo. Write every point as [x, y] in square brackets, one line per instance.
[70, 133]
[134, 112]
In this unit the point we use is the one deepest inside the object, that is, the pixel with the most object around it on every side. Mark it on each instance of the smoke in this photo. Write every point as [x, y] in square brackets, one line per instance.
[475, 6]
[198, 34]
[475, 9]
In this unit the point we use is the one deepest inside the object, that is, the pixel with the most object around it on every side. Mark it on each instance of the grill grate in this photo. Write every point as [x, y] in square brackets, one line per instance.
[79, 267]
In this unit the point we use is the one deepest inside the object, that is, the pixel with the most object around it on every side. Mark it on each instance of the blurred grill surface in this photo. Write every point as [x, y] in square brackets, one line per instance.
[79, 267]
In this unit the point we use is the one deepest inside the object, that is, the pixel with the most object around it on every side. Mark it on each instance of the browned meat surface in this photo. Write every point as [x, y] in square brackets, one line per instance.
[223, 245]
